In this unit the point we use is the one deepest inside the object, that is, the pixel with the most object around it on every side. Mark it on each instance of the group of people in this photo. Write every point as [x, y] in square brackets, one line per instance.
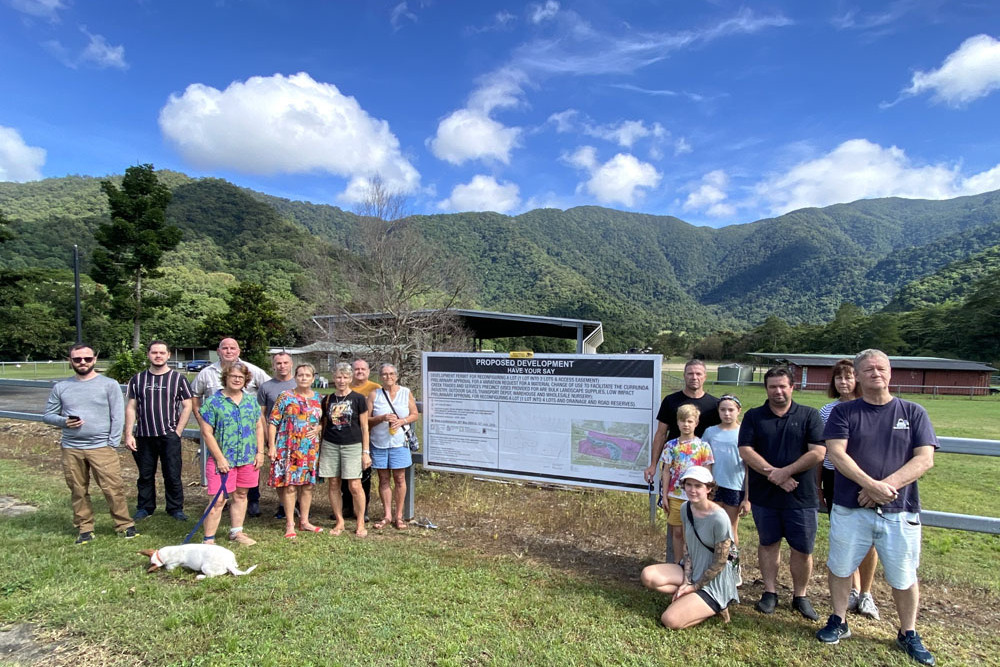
[865, 451]
[876, 447]
[247, 419]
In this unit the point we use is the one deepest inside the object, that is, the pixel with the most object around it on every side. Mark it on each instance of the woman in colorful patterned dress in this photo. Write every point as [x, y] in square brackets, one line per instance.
[233, 432]
[293, 437]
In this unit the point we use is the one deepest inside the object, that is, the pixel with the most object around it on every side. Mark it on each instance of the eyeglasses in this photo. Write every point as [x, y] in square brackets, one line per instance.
[81, 360]
[241, 378]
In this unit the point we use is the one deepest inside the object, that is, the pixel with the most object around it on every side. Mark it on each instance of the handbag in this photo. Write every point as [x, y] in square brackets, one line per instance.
[408, 435]
[734, 551]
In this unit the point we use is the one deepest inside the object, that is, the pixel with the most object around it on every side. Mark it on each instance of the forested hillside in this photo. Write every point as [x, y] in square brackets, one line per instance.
[639, 274]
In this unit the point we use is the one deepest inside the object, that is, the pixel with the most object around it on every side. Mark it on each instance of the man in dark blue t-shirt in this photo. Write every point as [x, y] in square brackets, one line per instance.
[781, 443]
[880, 446]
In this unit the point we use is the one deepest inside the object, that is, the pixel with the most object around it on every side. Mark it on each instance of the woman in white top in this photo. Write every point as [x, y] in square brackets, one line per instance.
[391, 410]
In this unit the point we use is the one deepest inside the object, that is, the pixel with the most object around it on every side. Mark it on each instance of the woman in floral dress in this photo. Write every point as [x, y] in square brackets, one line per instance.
[293, 437]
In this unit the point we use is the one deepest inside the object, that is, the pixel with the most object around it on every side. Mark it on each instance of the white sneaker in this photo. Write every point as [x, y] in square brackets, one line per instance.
[852, 601]
[866, 606]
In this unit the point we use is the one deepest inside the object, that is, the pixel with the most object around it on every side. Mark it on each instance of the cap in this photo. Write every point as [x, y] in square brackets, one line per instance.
[698, 473]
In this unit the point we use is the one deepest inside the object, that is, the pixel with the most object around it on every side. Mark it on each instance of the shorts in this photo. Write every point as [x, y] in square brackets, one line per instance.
[731, 497]
[826, 482]
[674, 511]
[391, 458]
[797, 525]
[244, 477]
[343, 461]
[896, 536]
[709, 600]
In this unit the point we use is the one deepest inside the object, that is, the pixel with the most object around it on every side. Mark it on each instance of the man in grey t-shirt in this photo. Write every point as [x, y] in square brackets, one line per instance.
[91, 412]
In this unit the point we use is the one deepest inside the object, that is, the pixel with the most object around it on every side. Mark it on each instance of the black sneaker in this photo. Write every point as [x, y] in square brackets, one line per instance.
[179, 516]
[768, 602]
[802, 605]
[835, 630]
[914, 647]
[280, 514]
[83, 538]
[129, 533]
[253, 509]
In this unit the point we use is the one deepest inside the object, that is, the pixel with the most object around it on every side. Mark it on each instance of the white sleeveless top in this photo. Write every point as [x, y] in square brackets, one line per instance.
[380, 432]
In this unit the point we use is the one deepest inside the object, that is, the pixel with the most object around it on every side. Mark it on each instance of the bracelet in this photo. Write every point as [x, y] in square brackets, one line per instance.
[368, 452]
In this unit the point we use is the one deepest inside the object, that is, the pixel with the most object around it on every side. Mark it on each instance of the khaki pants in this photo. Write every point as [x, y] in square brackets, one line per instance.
[103, 463]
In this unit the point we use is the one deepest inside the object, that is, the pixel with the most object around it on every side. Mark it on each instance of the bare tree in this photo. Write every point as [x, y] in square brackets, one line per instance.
[405, 289]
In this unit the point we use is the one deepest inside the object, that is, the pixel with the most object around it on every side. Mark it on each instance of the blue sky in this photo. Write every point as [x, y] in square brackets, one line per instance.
[716, 112]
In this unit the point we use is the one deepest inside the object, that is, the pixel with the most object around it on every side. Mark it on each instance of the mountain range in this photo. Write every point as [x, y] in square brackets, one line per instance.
[639, 274]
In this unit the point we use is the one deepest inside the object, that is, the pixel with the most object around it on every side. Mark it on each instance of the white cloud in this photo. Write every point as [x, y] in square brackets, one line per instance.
[621, 180]
[970, 72]
[470, 133]
[581, 49]
[860, 169]
[279, 124]
[18, 160]
[98, 52]
[542, 13]
[563, 120]
[626, 133]
[398, 13]
[46, 9]
[483, 193]
[682, 146]
[855, 20]
[710, 196]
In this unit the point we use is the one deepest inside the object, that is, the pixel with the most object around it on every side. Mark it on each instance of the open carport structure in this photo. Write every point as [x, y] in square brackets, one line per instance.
[488, 325]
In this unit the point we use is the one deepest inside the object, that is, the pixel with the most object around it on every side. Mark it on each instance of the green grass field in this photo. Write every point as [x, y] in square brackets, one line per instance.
[460, 595]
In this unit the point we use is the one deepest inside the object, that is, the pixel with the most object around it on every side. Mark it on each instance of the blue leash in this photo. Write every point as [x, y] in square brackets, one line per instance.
[221, 491]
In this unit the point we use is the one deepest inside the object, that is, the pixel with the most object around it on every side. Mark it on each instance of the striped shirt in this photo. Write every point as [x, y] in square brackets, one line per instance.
[158, 401]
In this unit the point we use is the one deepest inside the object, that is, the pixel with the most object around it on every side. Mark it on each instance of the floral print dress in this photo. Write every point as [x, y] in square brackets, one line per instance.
[294, 417]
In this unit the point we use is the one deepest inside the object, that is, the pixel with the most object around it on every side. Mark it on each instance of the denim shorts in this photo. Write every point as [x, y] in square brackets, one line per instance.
[391, 458]
[731, 497]
[797, 525]
[896, 536]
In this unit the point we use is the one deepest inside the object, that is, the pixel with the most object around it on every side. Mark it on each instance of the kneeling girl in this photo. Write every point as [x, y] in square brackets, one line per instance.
[706, 584]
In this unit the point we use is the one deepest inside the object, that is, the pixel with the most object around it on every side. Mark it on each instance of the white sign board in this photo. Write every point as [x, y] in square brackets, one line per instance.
[576, 419]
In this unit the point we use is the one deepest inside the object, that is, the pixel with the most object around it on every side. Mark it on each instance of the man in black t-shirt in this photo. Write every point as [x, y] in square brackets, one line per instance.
[782, 443]
[693, 393]
[157, 409]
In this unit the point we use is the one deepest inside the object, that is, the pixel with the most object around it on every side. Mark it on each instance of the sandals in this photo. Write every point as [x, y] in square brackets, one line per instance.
[291, 535]
[380, 524]
[399, 524]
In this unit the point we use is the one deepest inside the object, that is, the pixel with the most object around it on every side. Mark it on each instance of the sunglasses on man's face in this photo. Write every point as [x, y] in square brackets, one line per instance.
[81, 360]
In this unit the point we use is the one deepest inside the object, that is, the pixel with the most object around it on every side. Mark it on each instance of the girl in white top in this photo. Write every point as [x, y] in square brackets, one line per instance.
[729, 469]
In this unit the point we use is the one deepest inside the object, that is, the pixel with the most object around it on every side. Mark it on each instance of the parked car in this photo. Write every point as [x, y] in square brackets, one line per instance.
[198, 364]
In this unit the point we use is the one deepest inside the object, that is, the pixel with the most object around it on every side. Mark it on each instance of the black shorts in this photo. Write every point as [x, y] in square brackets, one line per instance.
[709, 600]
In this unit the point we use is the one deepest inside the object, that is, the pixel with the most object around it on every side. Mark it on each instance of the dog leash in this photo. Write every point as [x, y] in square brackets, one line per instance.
[221, 491]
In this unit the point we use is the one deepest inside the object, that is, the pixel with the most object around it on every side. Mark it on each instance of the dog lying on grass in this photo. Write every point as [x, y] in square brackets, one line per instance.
[210, 560]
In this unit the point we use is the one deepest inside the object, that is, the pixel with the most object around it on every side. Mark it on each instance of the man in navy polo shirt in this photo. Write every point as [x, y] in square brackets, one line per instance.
[880, 446]
[782, 443]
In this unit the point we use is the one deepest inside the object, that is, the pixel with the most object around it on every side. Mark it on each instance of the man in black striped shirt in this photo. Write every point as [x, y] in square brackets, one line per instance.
[157, 410]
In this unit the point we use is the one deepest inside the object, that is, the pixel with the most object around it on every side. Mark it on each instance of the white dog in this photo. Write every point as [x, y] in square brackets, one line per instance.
[209, 559]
